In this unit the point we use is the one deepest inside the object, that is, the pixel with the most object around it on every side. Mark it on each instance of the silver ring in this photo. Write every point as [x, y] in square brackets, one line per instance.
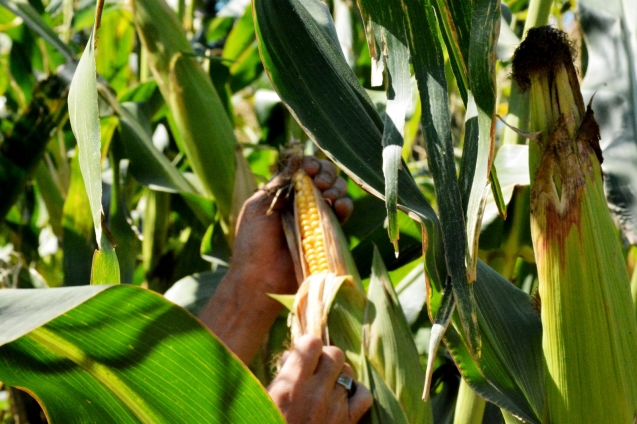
[346, 381]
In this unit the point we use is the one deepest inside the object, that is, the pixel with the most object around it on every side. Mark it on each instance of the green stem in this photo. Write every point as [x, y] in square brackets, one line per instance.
[633, 281]
[518, 115]
[469, 406]
[537, 14]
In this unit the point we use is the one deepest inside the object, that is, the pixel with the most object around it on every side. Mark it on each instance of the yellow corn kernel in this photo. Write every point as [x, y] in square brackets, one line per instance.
[309, 224]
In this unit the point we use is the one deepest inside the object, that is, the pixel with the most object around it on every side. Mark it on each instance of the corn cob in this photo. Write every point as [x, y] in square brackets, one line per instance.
[310, 226]
[589, 326]
[320, 253]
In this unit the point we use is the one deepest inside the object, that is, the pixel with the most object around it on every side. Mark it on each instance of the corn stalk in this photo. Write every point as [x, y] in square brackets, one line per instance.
[588, 319]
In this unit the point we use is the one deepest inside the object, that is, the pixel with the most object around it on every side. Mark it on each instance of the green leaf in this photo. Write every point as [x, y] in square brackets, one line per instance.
[389, 346]
[105, 268]
[386, 408]
[128, 244]
[454, 18]
[286, 300]
[387, 40]
[374, 233]
[511, 359]
[85, 122]
[485, 22]
[148, 165]
[122, 354]
[428, 61]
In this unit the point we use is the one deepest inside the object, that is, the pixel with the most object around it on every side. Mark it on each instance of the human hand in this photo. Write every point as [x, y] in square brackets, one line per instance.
[305, 390]
[260, 252]
[240, 313]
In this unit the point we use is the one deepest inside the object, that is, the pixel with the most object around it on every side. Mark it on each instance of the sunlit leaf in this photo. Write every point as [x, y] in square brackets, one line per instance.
[122, 354]
[84, 117]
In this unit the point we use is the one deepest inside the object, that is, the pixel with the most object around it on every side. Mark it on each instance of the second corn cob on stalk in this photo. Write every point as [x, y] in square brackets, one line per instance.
[589, 326]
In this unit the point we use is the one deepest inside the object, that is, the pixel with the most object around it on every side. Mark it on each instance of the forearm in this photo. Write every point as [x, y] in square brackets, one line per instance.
[240, 317]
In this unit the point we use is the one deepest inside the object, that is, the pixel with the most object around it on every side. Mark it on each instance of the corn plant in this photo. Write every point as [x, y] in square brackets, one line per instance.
[481, 277]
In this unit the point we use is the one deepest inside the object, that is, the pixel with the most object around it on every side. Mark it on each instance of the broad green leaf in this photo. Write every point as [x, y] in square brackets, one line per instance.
[412, 293]
[610, 32]
[122, 354]
[389, 346]
[387, 40]
[240, 38]
[428, 61]
[513, 360]
[85, 122]
[201, 120]
[148, 165]
[329, 103]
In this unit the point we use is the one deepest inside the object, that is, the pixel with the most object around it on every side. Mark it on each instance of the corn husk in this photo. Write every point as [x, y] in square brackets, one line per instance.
[317, 292]
[589, 326]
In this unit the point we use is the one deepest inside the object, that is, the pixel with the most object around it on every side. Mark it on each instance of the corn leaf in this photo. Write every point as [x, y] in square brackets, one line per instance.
[485, 26]
[109, 353]
[455, 21]
[387, 41]
[389, 346]
[386, 408]
[84, 117]
[329, 103]
[428, 60]
[370, 229]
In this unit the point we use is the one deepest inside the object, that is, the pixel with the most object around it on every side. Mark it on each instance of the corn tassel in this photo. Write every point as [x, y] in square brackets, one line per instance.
[589, 326]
